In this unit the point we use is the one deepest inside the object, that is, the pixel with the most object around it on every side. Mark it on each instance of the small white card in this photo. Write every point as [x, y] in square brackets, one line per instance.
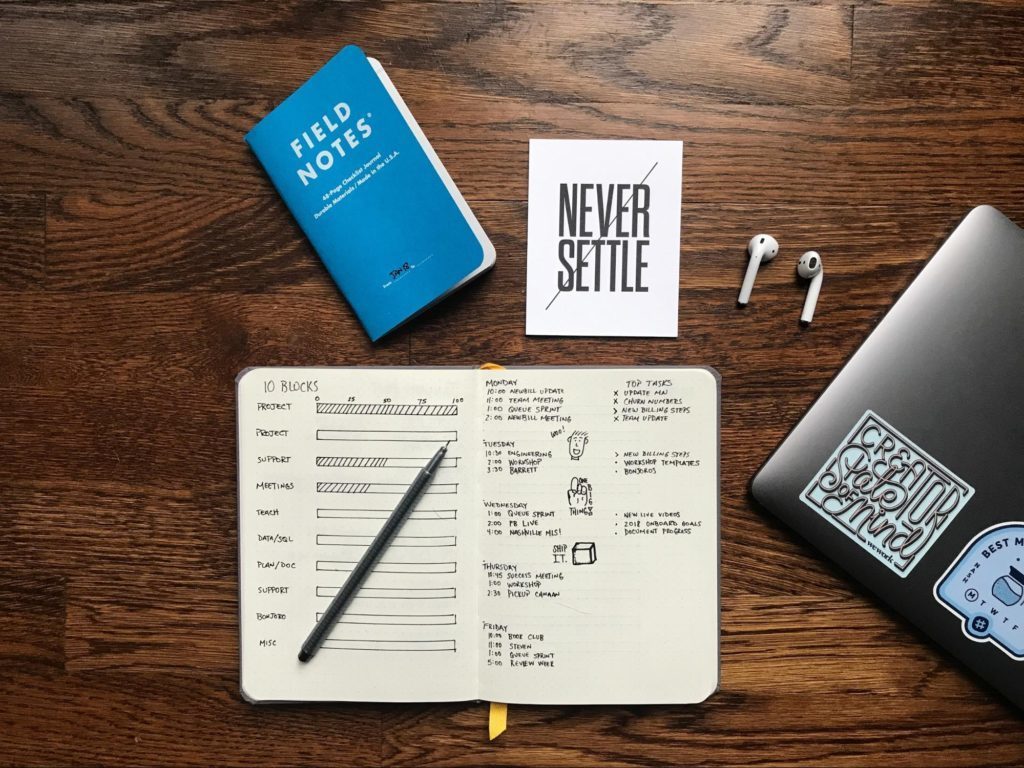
[603, 239]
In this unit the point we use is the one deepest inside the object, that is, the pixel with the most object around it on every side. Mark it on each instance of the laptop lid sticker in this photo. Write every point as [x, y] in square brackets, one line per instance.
[984, 587]
[886, 493]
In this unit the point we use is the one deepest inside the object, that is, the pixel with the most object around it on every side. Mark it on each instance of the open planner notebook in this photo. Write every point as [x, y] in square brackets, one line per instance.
[565, 553]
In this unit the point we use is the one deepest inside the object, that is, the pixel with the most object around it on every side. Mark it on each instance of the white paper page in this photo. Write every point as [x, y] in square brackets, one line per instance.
[603, 238]
[324, 456]
[599, 561]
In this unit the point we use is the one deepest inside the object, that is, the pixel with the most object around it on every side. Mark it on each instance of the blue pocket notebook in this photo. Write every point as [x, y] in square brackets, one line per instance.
[371, 195]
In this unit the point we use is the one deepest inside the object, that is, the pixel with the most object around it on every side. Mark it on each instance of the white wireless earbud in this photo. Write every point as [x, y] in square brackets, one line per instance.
[809, 267]
[761, 248]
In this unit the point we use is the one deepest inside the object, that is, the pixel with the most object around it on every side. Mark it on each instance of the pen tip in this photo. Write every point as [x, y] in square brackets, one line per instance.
[304, 655]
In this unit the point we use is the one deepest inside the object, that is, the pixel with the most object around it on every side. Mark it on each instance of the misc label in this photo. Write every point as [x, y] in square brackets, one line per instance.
[984, 587]
[887, 494]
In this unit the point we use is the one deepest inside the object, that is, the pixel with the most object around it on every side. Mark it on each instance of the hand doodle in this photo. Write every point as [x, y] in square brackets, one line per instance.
[579, 495]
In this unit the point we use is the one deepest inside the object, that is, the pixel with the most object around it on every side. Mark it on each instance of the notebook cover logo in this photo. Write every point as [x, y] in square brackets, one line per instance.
[984, 587]
[887, 494]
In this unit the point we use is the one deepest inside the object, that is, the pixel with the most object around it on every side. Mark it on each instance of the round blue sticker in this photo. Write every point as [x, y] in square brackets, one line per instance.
[984, 587]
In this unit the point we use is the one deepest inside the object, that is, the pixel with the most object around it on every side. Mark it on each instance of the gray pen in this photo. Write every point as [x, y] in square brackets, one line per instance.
[370, 557]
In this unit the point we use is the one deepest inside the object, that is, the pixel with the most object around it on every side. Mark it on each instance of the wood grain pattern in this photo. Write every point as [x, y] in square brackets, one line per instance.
[765, 53]
[163, 242]
[145, 260]
[868, 154]
[124, 718]
[22, 240]
[967, 53]
[34, 601]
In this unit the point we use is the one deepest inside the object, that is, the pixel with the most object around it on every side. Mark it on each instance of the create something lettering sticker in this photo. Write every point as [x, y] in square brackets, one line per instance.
[984, 587]
[887, 494]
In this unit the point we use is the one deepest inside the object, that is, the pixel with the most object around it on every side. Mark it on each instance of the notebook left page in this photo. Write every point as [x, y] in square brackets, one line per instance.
[324, 455]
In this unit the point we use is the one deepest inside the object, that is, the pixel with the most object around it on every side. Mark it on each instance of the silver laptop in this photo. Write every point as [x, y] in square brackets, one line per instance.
[908, 471]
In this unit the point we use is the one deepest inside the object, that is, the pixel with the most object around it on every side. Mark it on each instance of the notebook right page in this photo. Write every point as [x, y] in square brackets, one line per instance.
[599, 552]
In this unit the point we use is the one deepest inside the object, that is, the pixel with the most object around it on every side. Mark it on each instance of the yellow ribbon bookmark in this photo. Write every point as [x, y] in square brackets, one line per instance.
[498, 720]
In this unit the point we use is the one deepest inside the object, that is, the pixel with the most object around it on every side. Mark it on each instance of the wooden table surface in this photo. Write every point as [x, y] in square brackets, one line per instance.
[145, 260]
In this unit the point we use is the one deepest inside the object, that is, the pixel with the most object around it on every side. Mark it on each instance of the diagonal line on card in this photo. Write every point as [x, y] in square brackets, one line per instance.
[583, 261]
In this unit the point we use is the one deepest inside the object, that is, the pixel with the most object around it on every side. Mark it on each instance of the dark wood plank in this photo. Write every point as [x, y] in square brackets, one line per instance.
[948, 53]
[112, 719]
[177, 242]
[32, 620]
[136, 143]
[131, 534]
[145, 259]
[116, 156]
[142, 614]
[762, 54]
[22, 240]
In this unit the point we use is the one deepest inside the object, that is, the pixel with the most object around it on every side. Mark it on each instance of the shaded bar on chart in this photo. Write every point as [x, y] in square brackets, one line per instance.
[388, 645]
[387, 409]
[392, 593]
[389, 435]
[386, 567]
[383, 462]
[384, 514]
[395, 488]
[351, 540]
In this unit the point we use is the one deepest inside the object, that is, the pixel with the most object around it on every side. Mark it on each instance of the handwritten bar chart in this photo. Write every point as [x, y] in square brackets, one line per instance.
[386, 567]
[389, 435]
[384, 514]
[367, 454]
[393, 488]
[396, 619]
[353, 540]
[386, 409]
[383, 462]
[388, 645]
[391, 593]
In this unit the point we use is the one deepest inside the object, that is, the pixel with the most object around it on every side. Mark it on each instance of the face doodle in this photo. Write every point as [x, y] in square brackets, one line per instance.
[577, 442]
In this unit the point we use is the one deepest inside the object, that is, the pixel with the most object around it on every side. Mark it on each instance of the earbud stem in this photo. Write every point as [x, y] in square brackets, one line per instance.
[748, 279]
[812, 297]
